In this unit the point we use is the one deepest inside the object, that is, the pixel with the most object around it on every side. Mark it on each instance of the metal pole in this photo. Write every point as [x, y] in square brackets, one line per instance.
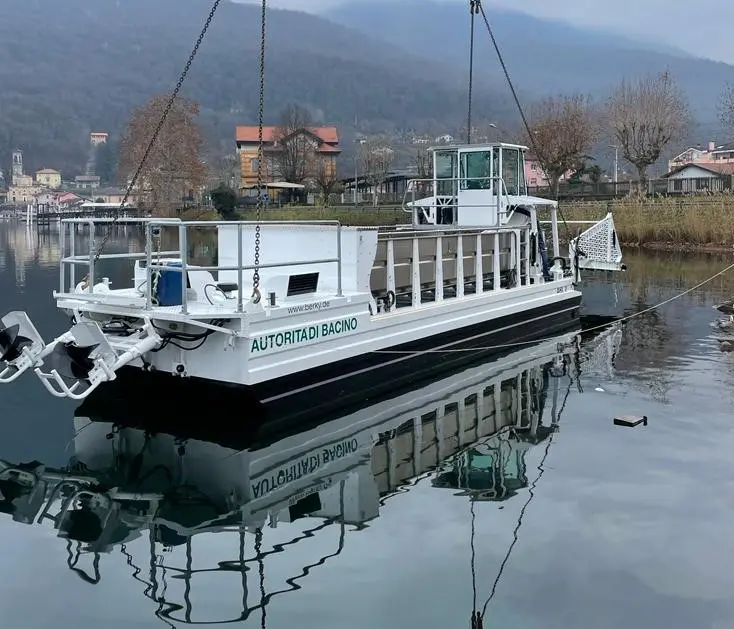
[616, 168]
[92, 245]
[148, 263]
[355, 176]
[184, 248]
[473, 10]
[339, 260]
[239, 268]
[62, 265]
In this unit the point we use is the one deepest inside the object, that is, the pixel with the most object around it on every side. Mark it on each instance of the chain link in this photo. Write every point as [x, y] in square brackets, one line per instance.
[260, 156]
[157, 131]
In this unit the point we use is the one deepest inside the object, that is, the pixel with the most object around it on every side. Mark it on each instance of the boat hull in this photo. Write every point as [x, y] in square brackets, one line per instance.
[312, 394]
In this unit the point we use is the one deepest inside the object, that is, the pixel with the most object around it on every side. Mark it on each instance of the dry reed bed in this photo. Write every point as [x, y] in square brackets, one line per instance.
[691, 221]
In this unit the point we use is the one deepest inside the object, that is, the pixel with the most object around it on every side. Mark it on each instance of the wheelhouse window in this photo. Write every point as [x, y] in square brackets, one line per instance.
[476, 170]
[511, 160]
[445, 172]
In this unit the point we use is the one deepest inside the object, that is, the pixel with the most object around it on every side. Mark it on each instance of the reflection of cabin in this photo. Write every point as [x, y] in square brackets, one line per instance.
[465, 439]
[322, 143]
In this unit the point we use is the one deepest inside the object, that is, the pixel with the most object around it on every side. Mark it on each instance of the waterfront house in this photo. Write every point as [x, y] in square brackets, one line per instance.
[323, 143]
[711, 177]
[712, 154]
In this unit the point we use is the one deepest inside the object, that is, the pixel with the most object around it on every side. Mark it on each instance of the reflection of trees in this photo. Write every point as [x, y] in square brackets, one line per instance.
[678, 272]
[653, 340]
[648, 346]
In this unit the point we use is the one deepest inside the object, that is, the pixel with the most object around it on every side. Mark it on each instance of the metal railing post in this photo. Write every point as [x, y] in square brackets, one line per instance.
[92, 245]
[183, 252]
[438, 270]
[72, 254]
[148, 264]
[339, 260]
[479, 265]
[240, 277]
[62, 264]
[554, 230]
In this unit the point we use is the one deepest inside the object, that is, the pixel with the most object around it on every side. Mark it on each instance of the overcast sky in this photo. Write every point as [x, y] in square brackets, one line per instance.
[703, 30]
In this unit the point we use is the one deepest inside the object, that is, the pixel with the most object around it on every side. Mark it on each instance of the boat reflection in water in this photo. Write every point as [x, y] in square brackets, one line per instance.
[469, 432]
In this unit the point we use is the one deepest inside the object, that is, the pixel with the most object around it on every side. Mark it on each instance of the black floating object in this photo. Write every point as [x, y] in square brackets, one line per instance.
[11, 343]
[630, 421]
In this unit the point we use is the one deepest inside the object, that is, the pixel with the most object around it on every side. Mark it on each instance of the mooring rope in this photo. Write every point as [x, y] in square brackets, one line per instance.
[595, 328]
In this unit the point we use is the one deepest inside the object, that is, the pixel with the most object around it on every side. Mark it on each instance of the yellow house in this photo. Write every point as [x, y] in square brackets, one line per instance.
[325, 142]
[49, 177]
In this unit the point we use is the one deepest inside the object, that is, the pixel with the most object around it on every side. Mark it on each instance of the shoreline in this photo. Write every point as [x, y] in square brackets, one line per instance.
[673, 247]
[681, 247]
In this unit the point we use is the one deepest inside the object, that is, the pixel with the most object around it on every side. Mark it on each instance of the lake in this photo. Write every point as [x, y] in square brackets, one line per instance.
[505, 489]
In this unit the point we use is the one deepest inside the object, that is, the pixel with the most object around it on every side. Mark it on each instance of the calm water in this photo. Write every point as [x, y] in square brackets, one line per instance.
[506, 488]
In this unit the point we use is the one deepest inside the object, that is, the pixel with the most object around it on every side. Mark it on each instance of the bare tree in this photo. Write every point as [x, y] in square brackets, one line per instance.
[563, 130]
[422, 162]
[377, 157]
[295, 147]
[644, 117]
[726, 108]
[174, 169]
[325, 180]
[224, 168]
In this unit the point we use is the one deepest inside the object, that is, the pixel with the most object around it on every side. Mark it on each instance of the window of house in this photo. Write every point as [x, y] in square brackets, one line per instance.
[254, 165]
[677, 185]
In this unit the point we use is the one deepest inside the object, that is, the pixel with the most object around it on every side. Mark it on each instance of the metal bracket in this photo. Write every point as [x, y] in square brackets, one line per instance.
[106, 360]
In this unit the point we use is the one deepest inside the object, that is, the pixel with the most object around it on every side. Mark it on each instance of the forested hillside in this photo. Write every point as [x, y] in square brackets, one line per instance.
[72, 66]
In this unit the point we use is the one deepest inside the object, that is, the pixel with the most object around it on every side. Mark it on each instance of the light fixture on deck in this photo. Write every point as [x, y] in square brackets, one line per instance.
[12, 343]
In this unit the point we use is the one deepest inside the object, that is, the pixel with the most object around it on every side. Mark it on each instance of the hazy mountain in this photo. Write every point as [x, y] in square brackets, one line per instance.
[67, 67]
[78, 65]
[543, 56]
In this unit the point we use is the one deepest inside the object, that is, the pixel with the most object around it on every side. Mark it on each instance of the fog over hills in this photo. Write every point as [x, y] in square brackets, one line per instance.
[79, 65]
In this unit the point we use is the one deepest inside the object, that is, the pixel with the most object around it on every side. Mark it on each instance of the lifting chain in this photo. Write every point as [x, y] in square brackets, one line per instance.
[157, 132]
[260, 157]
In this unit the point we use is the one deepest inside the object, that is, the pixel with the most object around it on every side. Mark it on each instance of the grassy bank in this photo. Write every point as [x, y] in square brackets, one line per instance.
[346, 215]
[704, 223]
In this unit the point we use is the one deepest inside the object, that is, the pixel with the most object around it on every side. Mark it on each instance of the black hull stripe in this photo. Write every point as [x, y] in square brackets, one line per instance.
[411, 354]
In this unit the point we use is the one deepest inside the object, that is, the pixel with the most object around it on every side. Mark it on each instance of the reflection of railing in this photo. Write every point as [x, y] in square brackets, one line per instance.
[153, 259]
[170, 611]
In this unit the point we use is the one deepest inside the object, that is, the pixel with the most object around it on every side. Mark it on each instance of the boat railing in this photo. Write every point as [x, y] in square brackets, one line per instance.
[441, 194]
[412, 267]
[154, 259]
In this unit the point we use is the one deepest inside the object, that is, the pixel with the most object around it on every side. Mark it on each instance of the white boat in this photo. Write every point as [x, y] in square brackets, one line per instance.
[469, 431]
[331, 302]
